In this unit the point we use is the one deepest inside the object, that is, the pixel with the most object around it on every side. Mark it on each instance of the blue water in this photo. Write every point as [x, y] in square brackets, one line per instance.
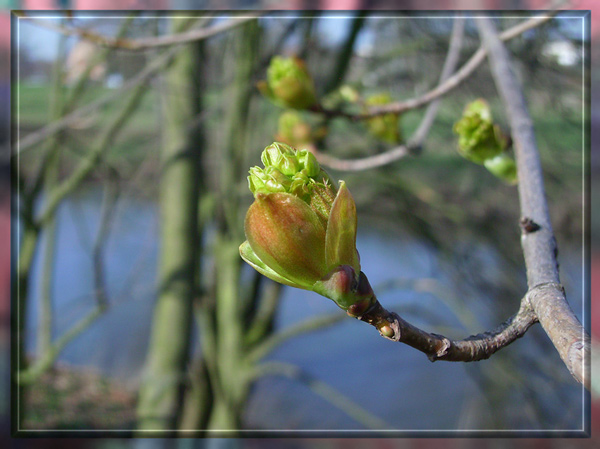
[517, 388]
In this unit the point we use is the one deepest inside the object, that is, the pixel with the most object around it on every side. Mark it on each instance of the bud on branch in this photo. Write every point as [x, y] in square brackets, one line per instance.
[289, 84]
[301, 229]
[481, 141]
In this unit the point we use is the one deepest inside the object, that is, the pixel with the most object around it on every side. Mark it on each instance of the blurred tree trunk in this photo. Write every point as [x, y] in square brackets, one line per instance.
[51, 172]
[160, 396]
[231, 388]
[26, 253]
[30, 241]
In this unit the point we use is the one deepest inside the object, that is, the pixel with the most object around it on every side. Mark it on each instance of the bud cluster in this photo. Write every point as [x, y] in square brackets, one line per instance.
[301, 229]
[297, 172]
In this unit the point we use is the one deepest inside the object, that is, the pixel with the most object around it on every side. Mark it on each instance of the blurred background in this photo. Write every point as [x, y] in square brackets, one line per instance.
[137, 312]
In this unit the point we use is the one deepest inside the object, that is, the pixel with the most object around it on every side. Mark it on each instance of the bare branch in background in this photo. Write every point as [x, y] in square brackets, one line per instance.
[309, 325]
[109, 202]
[91, 161]
[334, 397]
[54, 349]
[454, 81]
[148, 42]
[447, 84]
[419, 136]
[151, 69]
[73, 97]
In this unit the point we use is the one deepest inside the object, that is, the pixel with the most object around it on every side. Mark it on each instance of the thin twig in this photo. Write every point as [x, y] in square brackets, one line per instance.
[365, 163]
[438, 347]
[42, 364]
[444, 87]
[109, 201]
[309, 325]
[546, 295]
[333, 396]
[446, 84]
[148, 72]
[148, 42]
[455, 46]
[419, 136]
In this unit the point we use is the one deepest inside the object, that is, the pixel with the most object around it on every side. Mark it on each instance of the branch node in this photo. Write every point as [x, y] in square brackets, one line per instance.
[528, 226]
[442, 351]
[534, 290]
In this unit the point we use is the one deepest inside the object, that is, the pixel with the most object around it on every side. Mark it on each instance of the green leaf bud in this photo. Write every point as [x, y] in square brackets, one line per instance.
[301, 229]
[479, 138]
[288, 170]
[289, 84]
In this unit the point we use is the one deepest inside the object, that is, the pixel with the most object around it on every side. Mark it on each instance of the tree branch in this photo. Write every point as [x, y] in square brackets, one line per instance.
[419, 136]
[546, 295]
[148, 42]
[446, 84]
[74, 96]
[545, 299]
[437, 347]
[40, 366]
[109, 202]
[454, 81]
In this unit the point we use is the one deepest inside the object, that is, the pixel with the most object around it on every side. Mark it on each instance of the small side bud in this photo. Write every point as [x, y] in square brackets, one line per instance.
[386, 331]
[359, 308]
[384, 127]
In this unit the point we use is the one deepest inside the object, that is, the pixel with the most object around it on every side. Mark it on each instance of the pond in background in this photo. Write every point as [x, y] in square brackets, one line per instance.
[514, 389]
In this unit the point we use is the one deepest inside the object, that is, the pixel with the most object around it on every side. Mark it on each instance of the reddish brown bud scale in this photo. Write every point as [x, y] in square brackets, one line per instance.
[358, 309]
[287, 236]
